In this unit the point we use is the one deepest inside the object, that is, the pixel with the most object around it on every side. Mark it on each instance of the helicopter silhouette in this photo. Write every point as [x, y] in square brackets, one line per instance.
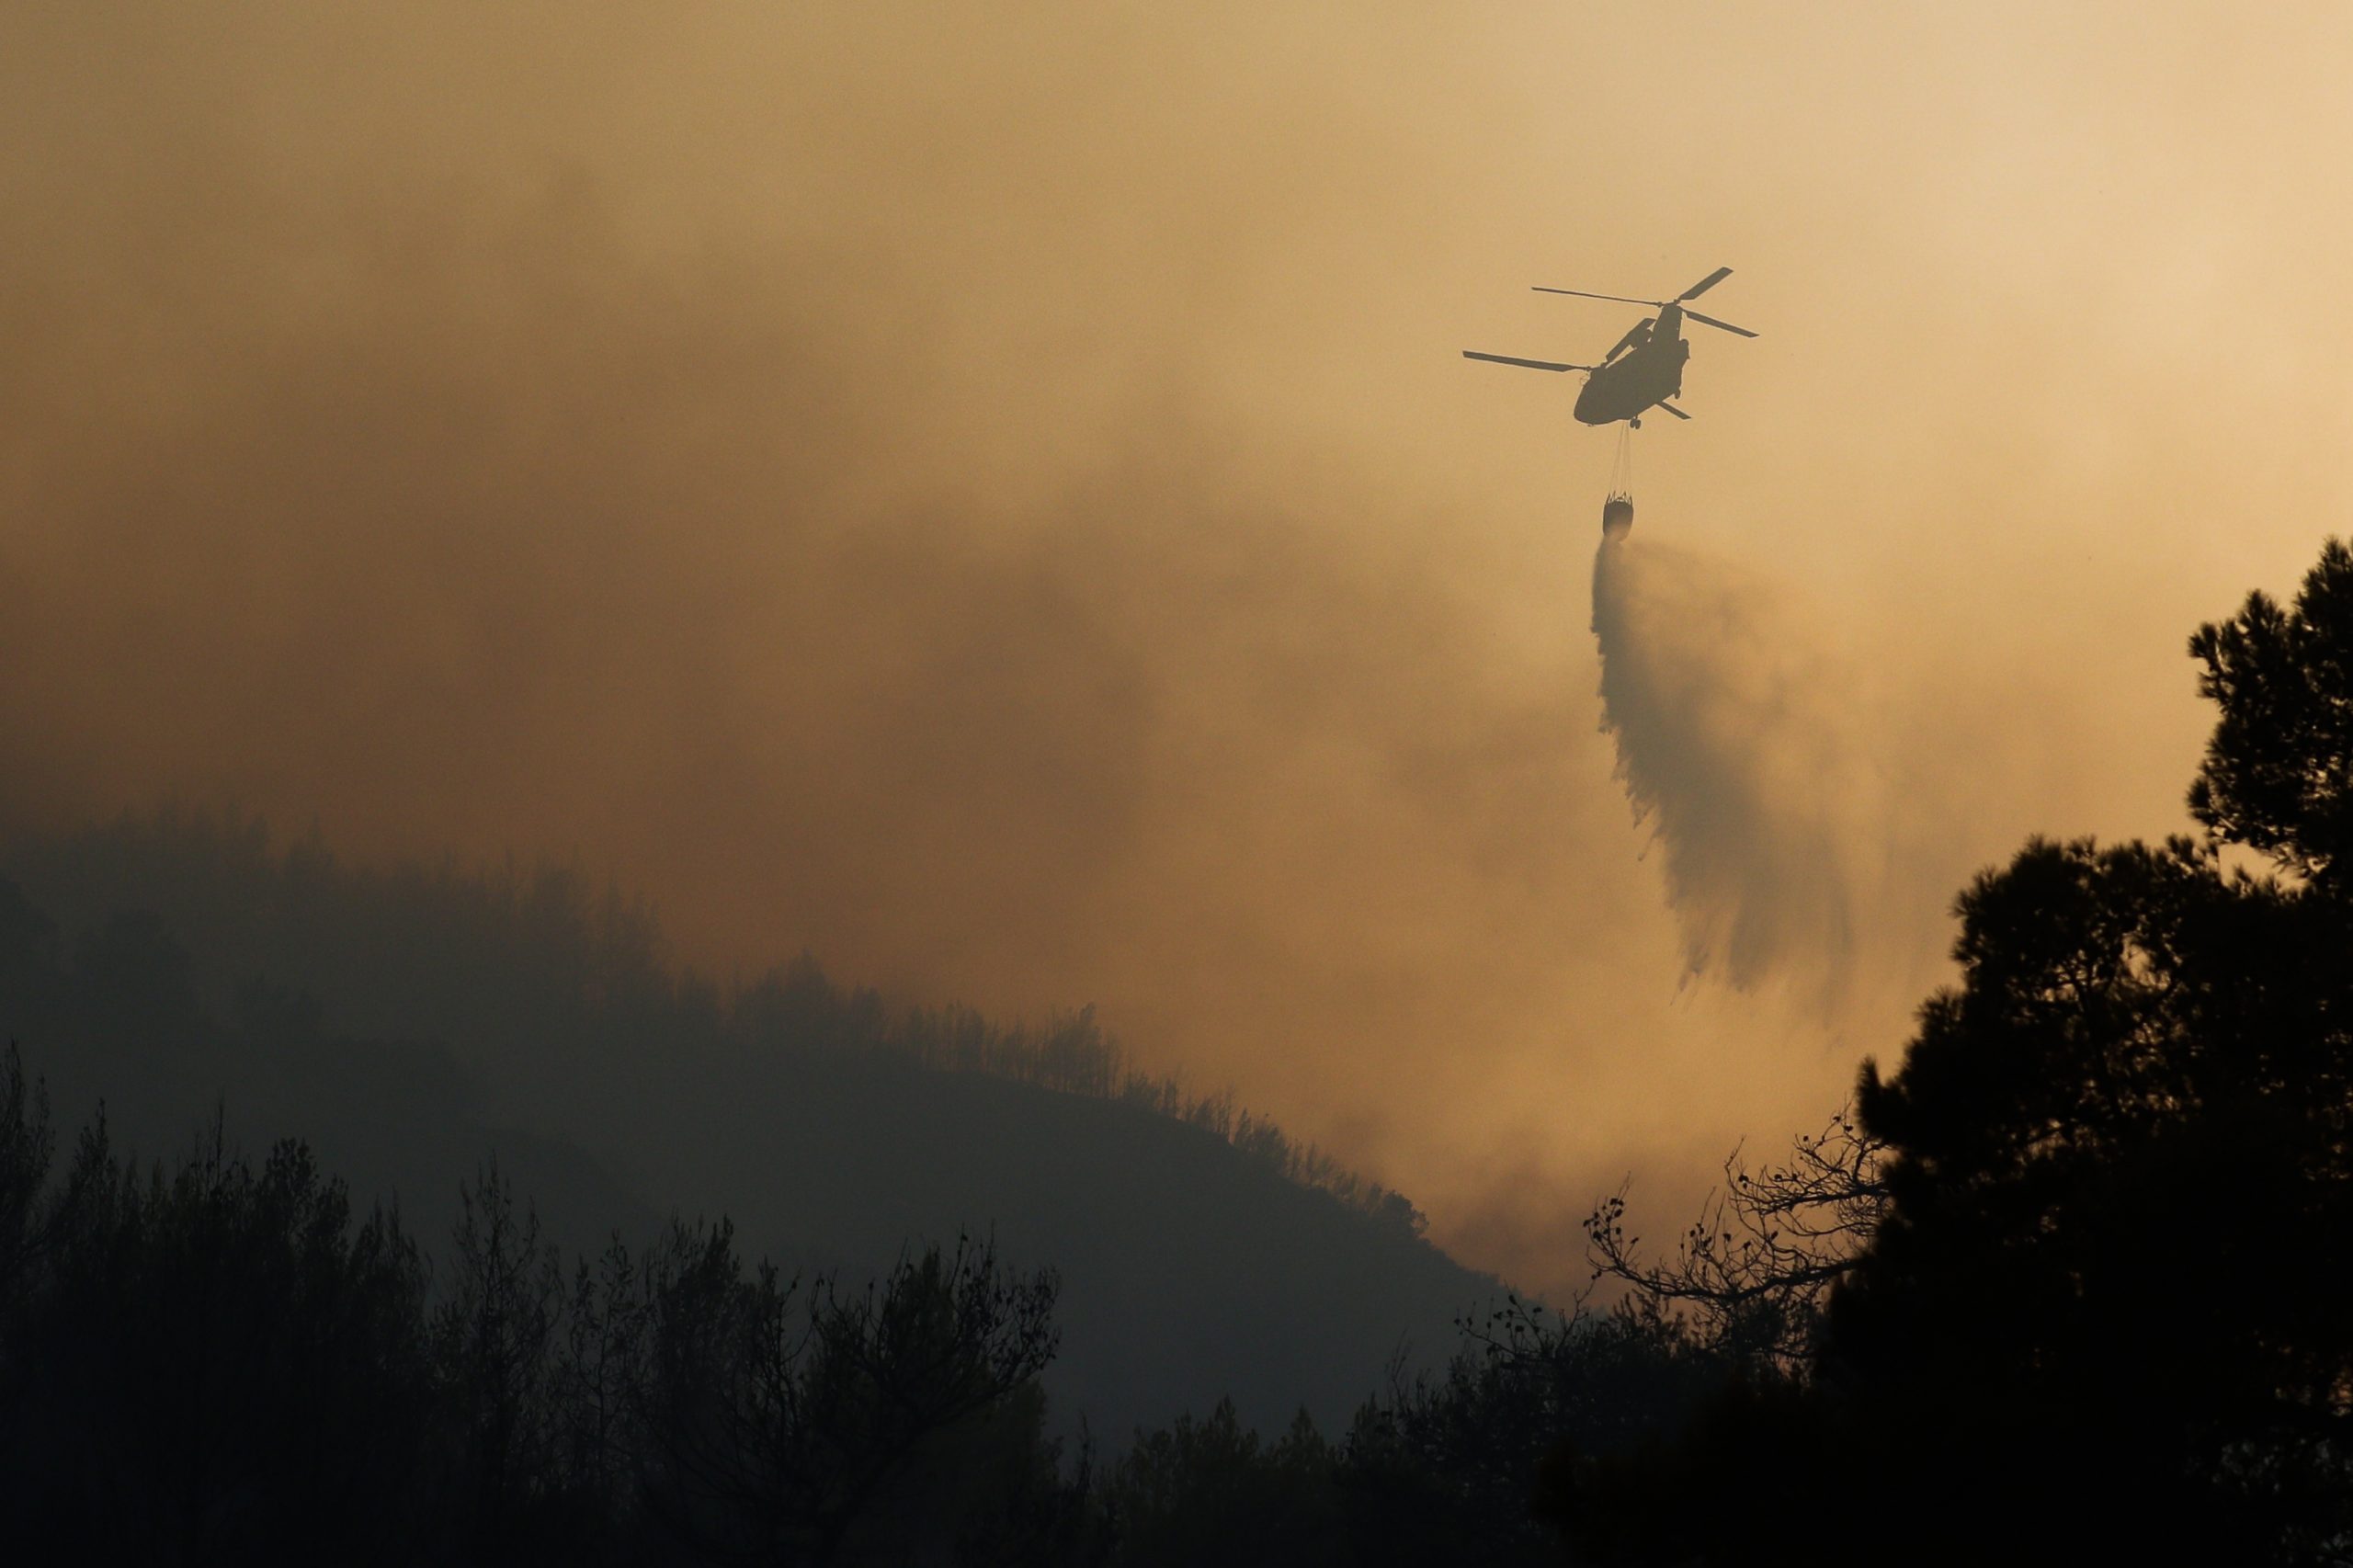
[1644, 369]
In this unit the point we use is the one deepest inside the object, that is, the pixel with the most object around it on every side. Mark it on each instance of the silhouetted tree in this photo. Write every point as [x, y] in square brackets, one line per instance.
[1750, 1275]
[2107, 1293]
[782, 1423]
[598, 1365]
[2275, 768]
[33, 1220]
[1449, 1466]
[27, 1222]
[495, 1337]
[220, 1367]
[2121, 1238]
[1213, 1490]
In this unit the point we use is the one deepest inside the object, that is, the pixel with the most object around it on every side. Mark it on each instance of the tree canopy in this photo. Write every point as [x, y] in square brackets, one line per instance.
[2274, 776]
[2098, 1308]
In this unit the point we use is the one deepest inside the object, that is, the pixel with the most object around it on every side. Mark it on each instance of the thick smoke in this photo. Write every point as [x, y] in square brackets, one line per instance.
[888, 572]
[1735, 746]
[988, 495]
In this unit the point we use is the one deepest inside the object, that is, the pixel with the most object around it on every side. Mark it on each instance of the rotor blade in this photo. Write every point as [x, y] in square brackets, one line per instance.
[1727, 326]
[1710, 281]
[1675, 411]
[1530, 364]
[1622, 298]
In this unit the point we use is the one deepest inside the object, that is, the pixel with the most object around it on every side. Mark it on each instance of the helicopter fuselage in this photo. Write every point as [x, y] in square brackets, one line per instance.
[1642, 370]
[1640, 378]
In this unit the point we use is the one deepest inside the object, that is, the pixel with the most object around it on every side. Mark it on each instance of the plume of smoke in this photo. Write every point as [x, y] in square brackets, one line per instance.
[911, 493]
[1737, 748]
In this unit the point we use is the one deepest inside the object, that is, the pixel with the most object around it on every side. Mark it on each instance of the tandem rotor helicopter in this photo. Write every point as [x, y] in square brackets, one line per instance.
[1643, 370]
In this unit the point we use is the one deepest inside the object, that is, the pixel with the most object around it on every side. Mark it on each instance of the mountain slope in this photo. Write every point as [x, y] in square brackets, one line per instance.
[412, 1024]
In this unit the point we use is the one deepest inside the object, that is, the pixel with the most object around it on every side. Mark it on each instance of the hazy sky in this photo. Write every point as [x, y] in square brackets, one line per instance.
[989, 494]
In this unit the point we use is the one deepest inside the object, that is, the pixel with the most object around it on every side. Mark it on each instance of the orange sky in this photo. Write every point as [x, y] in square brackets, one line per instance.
[994, 500]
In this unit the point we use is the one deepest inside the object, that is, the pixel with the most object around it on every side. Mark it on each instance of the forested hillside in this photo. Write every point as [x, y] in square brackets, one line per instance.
[414, 1023]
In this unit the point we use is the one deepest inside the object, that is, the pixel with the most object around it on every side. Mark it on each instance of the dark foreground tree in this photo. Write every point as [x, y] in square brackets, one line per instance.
[1213, 1491]
[783, 1424]
[1747, 1280]
[211, 1364]
[218, 1362]
[1441, 1469]
[2106, 1313]
[493, 1334]
[2275, 776]
[2113, 1285]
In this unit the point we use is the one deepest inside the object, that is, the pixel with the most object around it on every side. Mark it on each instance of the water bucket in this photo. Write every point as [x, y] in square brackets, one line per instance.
[1618, 516]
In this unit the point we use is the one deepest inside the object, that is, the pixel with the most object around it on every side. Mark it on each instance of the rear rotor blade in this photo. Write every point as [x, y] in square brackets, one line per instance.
[1622, 298]
[1710, 281]
[1725, 325]
[1530, 364]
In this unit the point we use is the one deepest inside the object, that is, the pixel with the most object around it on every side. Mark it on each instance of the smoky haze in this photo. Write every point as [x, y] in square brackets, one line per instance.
[452, 514]
[970, 497]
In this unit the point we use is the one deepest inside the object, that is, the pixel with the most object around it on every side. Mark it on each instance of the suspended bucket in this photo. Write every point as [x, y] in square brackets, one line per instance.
[1617, 516]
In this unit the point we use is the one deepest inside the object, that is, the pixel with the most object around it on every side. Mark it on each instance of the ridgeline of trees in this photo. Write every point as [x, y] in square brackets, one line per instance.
[425, 952]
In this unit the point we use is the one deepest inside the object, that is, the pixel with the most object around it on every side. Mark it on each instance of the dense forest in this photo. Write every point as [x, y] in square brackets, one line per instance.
[2066, 1283]
[410, 1023]
[219, 1359]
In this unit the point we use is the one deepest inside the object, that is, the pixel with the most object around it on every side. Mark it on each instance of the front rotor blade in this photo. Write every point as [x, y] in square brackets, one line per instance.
[1710, 281]
[1725, 325]
[1530, 364]
[1622, 298]
[1675, 411]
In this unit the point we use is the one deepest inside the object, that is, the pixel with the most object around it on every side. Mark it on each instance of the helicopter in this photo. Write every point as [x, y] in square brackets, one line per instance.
[1644, 369]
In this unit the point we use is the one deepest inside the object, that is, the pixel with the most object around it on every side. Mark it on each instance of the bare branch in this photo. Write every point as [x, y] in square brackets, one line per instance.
[1749, 1276]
